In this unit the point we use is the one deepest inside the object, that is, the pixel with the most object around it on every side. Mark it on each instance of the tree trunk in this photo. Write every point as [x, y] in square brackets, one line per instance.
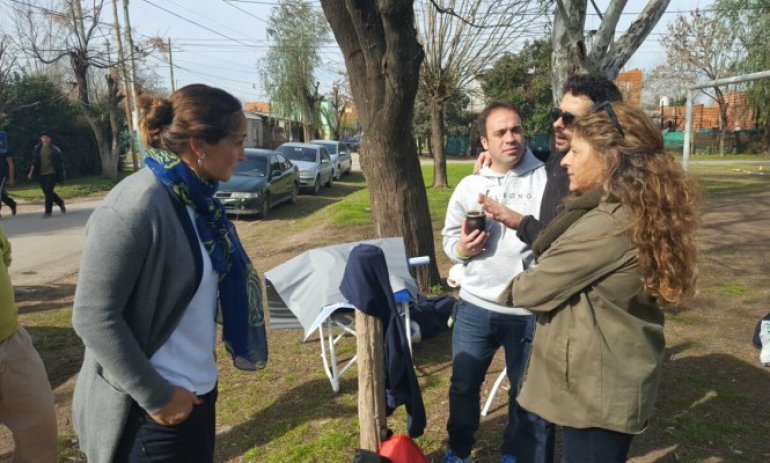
[383, 57]
[607, 56]
[437, 140]
[372, 415]
[114, 98]
[722, 126]
[568, 45]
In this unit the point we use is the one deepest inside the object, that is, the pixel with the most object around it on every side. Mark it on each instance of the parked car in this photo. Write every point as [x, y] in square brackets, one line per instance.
[314, 163]
[340, 154]
[262, 180]
[354, 142]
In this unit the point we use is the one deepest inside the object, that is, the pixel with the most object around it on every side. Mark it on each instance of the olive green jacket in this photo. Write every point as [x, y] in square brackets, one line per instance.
[598, 345]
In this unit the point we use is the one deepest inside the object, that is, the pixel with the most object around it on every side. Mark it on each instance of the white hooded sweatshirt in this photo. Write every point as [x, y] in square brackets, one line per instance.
[489, 272]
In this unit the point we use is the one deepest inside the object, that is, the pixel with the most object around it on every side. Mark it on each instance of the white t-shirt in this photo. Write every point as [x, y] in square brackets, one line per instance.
[187, 359]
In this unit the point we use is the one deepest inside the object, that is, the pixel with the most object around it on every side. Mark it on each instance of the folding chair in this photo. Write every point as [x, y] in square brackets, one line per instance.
[304, 293]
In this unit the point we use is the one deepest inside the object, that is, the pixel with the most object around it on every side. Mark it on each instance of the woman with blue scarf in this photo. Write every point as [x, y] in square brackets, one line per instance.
[162, 263]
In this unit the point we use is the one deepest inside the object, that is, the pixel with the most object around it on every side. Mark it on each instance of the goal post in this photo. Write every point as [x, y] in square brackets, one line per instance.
[713, 83]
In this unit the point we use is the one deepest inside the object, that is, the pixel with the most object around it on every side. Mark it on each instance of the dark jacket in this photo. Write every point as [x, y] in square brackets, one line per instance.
[58, 161]
[556, 189]
[366, 285]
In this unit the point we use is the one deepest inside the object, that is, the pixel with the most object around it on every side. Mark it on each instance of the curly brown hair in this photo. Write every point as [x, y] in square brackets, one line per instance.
[653, 187]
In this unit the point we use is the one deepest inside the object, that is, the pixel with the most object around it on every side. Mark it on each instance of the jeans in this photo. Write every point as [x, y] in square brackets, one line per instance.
[192, 441]
[595, 445]
[47, 184]
[477, 335]
[4, 198]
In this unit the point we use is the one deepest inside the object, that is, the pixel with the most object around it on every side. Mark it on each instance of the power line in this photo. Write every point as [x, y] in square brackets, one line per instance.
[194, 22]
[228, 3]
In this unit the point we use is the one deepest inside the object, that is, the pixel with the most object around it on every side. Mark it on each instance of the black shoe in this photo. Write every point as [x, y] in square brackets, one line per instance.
[63, 209]
[47, 215]
[13, 209]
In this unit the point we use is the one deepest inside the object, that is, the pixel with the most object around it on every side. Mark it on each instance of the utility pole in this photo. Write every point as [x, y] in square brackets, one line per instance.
[129, 102]
[132, 66]
[171, 65]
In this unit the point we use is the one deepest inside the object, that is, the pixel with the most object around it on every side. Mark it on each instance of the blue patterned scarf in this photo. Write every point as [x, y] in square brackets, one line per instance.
[240, 291]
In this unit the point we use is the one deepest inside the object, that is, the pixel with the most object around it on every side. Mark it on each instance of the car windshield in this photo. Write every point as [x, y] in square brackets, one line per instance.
[330, 147]
[252, 167]
[297, 153]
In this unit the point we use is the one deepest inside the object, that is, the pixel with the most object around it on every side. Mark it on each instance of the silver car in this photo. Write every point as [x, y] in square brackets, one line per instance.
[314, 163]
[340, 154]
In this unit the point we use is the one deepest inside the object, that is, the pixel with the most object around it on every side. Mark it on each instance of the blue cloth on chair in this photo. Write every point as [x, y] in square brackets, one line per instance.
[366, 285]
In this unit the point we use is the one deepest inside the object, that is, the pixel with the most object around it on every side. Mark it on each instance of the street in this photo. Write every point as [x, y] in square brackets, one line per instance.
[45, 250]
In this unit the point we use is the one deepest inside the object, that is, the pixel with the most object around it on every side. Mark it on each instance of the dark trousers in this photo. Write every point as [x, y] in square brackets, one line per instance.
[192, 441]
[4, 198]
[595, 445]
[47, 184]
[476, 336]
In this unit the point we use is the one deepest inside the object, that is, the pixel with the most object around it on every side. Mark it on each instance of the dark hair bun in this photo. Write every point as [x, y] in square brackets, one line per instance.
[158, 112]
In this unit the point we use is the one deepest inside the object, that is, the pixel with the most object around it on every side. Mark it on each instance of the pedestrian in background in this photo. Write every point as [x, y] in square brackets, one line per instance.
[26, 400]
[7, 175]
[48, 164]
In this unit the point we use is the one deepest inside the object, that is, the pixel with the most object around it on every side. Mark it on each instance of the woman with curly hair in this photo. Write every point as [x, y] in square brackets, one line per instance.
[160, 265]
[622, 249]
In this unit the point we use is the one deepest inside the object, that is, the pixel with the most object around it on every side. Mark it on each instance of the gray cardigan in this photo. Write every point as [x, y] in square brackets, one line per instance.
[140, 267]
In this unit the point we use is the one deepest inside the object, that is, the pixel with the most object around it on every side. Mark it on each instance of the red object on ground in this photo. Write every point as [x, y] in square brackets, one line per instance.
[401, 449]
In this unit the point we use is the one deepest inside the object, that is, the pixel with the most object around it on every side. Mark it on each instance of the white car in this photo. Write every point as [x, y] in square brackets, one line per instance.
[314, 163]
[340, 154]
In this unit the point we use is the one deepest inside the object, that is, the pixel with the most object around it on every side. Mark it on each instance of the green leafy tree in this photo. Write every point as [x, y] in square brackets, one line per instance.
[523, 79]
[750, 20]
[38, 103]
[297, 30]
[456, 117]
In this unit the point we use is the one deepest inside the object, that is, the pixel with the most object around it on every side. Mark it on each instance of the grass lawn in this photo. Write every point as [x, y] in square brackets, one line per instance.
[711, 402]
[72, 188]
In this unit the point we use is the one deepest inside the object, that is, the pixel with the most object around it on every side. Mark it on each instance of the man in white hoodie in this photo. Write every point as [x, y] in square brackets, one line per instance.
[491, 258]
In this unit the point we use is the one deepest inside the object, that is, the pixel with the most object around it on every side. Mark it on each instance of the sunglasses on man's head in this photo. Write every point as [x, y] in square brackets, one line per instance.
[566, 117]
[607, 106]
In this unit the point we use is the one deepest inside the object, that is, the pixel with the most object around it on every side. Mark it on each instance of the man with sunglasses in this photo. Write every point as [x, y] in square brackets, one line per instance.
[581, 95]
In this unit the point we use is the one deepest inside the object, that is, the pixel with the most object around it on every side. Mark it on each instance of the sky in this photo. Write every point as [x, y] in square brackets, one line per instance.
[221, 42]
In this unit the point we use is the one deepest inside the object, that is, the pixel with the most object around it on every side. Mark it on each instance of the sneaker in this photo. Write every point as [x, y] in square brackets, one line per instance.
[13, 209]
[63, 209]
[451, 457]
[47, 215]
[508, 459]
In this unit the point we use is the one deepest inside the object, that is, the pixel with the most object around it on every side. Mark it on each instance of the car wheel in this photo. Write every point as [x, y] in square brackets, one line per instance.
[317, 185]
[331, 180]
[294, 194]
[264, 211]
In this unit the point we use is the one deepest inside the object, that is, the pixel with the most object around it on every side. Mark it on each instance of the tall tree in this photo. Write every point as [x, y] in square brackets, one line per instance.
[602, 55]
[298, 31]
[523, 78]
[461, 38]
[339, 100]
[750, 21]
[77, 30]
[701, 47]
[7, 62]
[382, 55]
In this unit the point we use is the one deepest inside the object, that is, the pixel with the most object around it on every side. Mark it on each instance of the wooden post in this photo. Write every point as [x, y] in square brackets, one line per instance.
[372, 416]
